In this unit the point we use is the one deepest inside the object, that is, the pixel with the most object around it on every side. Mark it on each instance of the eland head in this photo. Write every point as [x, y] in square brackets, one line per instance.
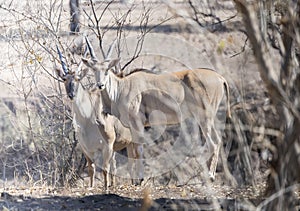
[100, 68]
[69, 77]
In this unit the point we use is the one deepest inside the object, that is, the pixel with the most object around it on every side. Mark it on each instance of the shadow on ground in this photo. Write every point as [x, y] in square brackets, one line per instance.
[106, 202]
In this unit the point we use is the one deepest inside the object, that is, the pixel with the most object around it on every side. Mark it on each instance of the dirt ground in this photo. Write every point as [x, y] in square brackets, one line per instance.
[219, 49]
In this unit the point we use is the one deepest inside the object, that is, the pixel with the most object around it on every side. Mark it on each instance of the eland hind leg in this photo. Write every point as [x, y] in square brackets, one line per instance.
[215, 156]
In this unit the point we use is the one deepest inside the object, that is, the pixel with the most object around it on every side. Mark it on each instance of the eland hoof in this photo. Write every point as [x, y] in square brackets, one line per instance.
[137, 182]
[211, 176]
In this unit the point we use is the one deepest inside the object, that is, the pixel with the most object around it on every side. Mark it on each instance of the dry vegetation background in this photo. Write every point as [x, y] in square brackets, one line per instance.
[253, 44]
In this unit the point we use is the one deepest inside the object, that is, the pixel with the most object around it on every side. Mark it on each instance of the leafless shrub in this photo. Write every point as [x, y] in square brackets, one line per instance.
[40, 126]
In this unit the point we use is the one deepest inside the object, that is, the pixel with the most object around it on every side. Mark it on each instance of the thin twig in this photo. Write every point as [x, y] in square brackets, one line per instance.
[243, 49]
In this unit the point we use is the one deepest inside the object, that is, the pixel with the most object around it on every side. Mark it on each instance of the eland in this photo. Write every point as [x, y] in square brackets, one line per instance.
[177, 95]
[98, 132]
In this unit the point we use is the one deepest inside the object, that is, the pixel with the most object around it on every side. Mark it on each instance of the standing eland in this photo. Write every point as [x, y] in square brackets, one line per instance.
[98, 132]
[197, 93]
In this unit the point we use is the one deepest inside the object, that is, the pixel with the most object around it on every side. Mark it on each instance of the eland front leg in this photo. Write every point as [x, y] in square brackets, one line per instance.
[113, 170]
[135, 163]
[107, 157]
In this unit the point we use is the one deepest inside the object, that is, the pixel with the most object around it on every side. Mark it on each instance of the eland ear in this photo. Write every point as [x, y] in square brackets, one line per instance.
[83, 73]
[113, 63]
[60, 73]
[88, 62]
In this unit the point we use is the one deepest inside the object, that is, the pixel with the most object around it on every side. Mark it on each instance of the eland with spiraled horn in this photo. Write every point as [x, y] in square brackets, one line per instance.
[99, 133]
[178, 96]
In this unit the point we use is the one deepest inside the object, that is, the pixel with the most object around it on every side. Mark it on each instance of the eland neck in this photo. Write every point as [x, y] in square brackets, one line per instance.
[82, 103]
[113, 85]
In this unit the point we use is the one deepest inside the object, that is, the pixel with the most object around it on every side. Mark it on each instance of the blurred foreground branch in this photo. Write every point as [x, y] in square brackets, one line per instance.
[282, 83]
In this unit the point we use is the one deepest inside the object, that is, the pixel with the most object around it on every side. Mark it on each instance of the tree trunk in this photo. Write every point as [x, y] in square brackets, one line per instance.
[74, 16]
